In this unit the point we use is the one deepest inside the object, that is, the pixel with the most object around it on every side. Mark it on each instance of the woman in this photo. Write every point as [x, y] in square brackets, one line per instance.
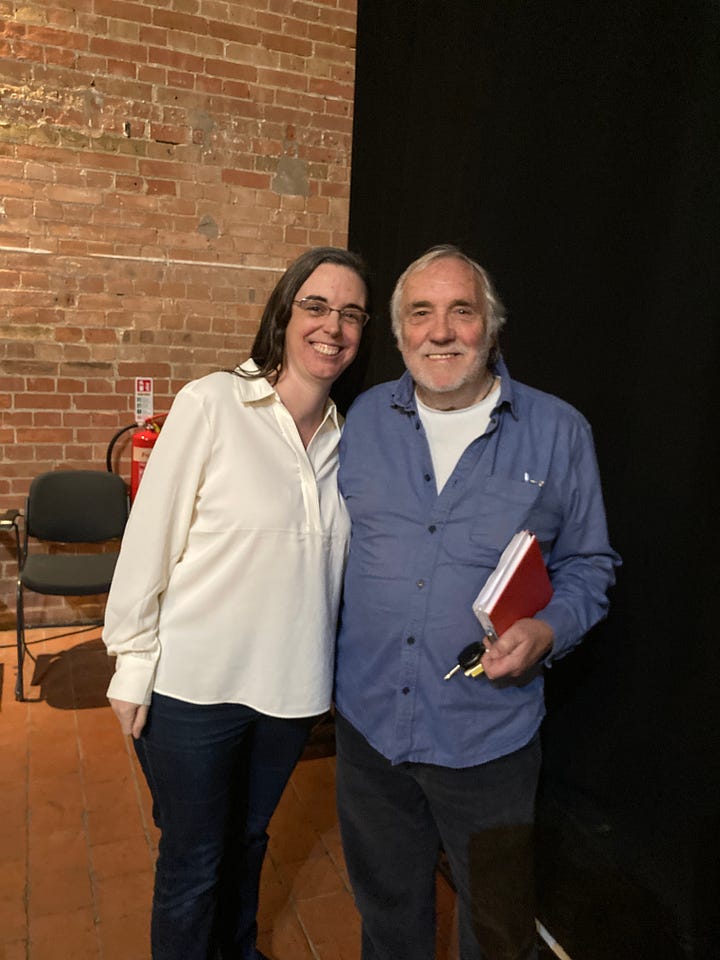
[223, 607]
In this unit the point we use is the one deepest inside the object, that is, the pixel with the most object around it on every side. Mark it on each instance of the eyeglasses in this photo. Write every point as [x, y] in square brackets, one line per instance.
[320, 310]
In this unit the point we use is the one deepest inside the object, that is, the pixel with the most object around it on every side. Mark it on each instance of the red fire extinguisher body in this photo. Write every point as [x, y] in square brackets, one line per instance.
[143, 440]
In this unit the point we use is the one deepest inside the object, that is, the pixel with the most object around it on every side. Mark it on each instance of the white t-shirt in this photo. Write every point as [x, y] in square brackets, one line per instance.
[229, 577]
[450, 431]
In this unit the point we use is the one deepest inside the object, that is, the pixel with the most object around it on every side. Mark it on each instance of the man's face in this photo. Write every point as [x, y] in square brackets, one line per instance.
[443, 337]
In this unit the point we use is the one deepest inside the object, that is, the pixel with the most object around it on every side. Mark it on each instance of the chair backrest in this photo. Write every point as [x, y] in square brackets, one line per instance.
[76, 506]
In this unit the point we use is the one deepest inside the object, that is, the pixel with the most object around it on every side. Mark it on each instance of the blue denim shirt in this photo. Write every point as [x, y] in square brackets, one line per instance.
[418, 559]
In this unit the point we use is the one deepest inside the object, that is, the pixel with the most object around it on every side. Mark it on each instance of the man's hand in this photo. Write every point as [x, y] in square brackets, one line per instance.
[132, 716]
[518, 649]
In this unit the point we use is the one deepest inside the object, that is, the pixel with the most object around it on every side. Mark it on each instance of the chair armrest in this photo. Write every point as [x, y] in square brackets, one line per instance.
[9, 518]
[9, 521]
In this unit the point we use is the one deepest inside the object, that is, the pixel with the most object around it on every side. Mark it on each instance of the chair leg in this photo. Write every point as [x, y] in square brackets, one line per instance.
[20, 628]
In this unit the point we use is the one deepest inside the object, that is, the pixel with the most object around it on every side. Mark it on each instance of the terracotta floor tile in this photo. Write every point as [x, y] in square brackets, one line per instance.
[274, 900]
[65, 789]
[76, 925]
[315, 778]
[331, 918]
[113, 809]
[286, 940]
[332, 843]
[13, 717]
[79, 947]
[99, 733]
[13, 878]
[14, 951]
[290, 810]
[120, 857]
[13, 842]
[127, 826]
[347, 950]
[126, 938]
[107, 796]
[50, 723]
[102, 767]
[13, 920]
[312, 877]
[271, 872]
[57, 850]
[124, 895]
[287, 845]
[102, 736]
[14, 759]
[56, 805]
[56, 758]
[13, 807]
[59, 891]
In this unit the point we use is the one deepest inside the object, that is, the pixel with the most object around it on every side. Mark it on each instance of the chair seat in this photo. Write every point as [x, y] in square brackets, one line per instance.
[69, 574]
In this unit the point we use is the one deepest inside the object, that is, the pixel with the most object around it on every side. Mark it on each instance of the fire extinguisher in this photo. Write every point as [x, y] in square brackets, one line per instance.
[141, 444]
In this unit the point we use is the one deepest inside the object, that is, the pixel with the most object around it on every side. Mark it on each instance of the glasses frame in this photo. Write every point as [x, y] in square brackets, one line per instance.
[326, 310]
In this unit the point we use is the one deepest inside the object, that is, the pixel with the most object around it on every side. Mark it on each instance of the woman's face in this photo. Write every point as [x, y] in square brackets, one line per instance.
[319, 348]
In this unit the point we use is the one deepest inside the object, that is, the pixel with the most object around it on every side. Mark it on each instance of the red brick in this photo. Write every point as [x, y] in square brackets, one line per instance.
[117, 50]
[246, 178]
[179, 21]
[56, 38]
[235, 32]
[122, 10]
[295, 45]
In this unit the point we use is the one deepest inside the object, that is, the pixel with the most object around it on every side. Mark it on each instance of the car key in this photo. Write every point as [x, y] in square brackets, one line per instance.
[469, 661]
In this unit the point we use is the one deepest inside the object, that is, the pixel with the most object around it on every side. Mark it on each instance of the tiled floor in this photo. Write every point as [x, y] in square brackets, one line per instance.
[77, 842]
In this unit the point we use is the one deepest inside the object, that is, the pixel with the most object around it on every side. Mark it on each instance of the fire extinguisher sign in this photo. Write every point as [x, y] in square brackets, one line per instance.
[143, 399]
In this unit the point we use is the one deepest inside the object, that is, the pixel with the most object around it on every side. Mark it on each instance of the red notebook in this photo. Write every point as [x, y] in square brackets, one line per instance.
[518, 587]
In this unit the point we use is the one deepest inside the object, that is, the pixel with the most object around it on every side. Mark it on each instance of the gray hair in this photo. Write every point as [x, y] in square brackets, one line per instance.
[494, 312]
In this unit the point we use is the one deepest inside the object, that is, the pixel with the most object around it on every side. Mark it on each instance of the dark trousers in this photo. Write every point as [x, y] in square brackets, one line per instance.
[216, 773]
[393, 820]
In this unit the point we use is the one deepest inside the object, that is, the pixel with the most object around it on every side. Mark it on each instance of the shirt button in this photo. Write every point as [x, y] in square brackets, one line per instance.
[406, 690]
[411, 640]
[421, 584]
[432, 528]
[427, 478]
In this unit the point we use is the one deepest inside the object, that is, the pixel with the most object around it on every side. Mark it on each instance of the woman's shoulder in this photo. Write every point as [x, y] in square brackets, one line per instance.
[220, 383]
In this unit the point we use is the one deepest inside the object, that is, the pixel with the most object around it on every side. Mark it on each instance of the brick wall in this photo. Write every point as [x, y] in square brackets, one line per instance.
[161, 162]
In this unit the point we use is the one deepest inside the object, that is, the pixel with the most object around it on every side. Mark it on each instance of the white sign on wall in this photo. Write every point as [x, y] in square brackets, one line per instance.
[143, 399]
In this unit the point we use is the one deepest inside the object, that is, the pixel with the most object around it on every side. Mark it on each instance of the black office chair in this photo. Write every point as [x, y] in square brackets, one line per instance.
[68, 506]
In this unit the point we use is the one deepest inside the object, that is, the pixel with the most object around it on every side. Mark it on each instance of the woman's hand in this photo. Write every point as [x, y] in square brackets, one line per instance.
[132, 716]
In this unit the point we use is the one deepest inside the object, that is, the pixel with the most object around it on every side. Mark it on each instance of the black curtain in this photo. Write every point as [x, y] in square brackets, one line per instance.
[571, 147]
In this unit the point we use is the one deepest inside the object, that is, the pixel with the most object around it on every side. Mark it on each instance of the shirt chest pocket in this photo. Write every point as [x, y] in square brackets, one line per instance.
[497, 509]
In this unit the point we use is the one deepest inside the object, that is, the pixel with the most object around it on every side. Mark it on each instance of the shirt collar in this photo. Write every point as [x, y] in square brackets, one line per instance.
[257, 389]
[403, 396]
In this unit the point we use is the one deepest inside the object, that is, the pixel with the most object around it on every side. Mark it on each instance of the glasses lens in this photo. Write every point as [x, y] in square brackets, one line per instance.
[315, 307]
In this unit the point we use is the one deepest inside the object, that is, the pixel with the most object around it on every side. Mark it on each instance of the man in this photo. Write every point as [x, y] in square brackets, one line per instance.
[438, 471]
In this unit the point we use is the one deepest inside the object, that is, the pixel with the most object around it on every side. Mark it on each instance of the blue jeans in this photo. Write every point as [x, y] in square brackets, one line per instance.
[395, 818]
[216, 773]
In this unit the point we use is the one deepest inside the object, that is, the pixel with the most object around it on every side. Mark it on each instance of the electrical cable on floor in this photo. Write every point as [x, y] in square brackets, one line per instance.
[551, 942]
